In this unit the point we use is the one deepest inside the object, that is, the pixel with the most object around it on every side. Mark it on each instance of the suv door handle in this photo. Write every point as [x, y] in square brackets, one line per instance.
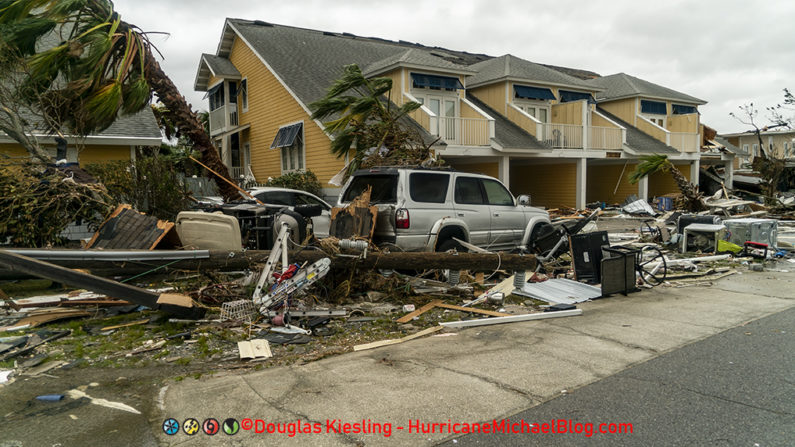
[496, 214]
[460, 214]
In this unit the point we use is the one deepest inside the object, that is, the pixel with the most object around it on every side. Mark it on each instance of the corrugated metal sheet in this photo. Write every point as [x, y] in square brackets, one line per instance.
[561, 291]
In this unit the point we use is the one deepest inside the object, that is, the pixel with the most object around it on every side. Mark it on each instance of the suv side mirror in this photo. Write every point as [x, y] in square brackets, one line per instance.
[524, 200]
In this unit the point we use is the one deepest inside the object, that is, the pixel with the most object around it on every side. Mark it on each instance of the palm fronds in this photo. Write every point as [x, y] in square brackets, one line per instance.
[648, 165]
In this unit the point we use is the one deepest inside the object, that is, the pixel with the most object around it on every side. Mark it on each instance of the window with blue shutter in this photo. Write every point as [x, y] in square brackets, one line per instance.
[653, 107]
[569, 96]
[525, 92]
[680, 109]
[435, 82]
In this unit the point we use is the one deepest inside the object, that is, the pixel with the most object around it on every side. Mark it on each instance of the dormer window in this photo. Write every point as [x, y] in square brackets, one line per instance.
[435, 82]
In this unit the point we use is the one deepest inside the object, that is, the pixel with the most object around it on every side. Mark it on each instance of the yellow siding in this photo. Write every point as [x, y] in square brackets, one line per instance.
[624, 109]
[662, 183]
[598, 121]
[104, 154]
[212, 80]
[421, 117]
[522, 120]
[602, 182]
[272, 106]
[683, 123]
[397, 85]
[650, 129]
[567, 113]
[549, 185]
[492, 95]
[469, 112]
[491, 169]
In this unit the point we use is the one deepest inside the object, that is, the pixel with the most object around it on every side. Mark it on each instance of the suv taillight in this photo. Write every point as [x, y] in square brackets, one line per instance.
[402, 218]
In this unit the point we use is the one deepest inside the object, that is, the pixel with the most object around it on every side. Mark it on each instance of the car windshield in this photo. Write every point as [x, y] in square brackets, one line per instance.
[384, 188]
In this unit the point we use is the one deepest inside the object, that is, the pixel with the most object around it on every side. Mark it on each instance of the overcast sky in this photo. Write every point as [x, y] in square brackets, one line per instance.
[725, 52]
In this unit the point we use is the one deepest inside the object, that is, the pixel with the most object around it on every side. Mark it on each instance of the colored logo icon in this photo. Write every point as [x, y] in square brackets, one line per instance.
[231, 426]
[211, 426]
[190, 426]
[171, 426]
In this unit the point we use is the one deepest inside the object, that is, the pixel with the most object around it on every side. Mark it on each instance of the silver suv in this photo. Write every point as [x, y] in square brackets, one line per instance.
[424, 209]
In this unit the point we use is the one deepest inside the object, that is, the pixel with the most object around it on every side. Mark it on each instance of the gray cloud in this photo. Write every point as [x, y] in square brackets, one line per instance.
[725, 52]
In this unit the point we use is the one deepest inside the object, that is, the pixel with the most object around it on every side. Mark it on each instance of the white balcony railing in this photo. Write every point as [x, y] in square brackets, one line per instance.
[561, 136]
[605, 138]
[685, 142]
[461, 131]
[223, 118]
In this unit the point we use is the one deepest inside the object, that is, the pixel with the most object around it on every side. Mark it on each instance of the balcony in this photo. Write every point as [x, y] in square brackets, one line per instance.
[223, 118]
[461, 131]
[684, 141]
[561, 136]
[605, 138]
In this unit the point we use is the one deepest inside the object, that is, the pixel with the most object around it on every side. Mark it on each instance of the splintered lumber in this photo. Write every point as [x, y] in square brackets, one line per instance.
[513, 318]
[132, 323]
[410, 316]
[378, 344]
[143, 297]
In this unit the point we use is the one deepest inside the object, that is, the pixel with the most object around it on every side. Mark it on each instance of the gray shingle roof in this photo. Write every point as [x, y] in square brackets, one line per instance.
[622, 85]
[730, 147]
[509, 66]
[415, 56]
[138, 125]
[506, 133]
[220, 66]
[638, 140]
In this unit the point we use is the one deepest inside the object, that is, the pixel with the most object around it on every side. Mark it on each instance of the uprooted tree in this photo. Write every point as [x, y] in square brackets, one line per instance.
[367, 125]
[650, 164]
[770, 167]
[99, 66]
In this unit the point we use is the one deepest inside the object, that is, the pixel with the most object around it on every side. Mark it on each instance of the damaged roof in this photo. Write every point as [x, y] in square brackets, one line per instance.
[510, 66]
[622, 85]
[638, 140]
[415, 56]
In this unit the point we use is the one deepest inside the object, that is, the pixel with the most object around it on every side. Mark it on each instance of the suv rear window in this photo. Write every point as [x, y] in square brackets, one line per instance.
[428, 188]
[384, 188]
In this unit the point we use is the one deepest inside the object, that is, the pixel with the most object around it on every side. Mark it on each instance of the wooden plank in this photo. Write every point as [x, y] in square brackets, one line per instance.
[410, 316]
[132, 323]
[96, 284]
[513, 318]
[378, 344]
[9, 301]
[474, 310]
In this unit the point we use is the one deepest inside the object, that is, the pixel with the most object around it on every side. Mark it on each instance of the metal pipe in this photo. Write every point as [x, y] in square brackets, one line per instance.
[112, 255]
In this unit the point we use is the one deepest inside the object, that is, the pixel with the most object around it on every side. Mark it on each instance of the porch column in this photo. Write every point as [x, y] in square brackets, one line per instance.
[728, 174]
[504, 170]
[643, 188]
[695, 165]
[582, 182]
[586, 144]
[132, 153]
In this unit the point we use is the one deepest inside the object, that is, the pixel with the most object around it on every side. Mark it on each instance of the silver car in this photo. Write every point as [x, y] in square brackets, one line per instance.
[424, 209]
[292, 197]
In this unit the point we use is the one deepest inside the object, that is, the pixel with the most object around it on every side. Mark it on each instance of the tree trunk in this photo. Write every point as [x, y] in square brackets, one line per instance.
[689, 190]
[188, 123]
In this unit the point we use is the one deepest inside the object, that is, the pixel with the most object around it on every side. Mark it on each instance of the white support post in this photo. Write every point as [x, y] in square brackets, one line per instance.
[728, 174]
[504, 170]
[132, 153]
[643, 188]
[695, 166]
[585, 125]
[582, 182]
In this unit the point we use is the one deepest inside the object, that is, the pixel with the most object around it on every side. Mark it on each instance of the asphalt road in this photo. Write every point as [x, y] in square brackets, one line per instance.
[736, 388]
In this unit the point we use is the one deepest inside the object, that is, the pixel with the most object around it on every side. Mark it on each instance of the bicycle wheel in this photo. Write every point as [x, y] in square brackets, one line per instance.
[652, 267]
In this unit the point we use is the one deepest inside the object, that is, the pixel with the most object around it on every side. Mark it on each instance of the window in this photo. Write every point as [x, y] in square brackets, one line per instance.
[276, 198]
[745, 148]
[496, 193]
[290, 139]
[567, 96]
[467, 191]
[303, 199]
[539, 111]
[434, 82]
[428, 188]
[216, 95]
[244, 94]
[786, 149]
[653, 107]
[525, 92]
[756, 150]
[384, 188]
[680, 109]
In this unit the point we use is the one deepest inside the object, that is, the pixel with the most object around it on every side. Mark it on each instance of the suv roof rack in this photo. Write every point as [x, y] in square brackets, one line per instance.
[416, 167]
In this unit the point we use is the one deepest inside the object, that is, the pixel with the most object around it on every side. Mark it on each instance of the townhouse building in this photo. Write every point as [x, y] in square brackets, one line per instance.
[564, 136]
[776, 143]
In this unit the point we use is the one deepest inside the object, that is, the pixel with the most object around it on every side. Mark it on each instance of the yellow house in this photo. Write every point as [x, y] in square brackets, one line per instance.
[775, 143]
[565, 136]
[117, 142]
